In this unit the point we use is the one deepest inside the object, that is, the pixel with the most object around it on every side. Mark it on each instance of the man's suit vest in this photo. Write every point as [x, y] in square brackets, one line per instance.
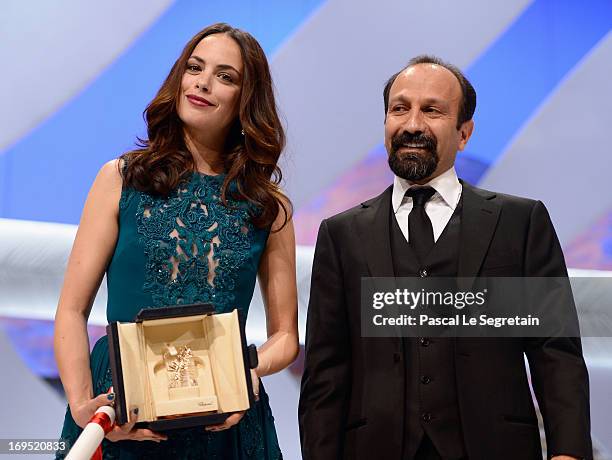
[431, 392]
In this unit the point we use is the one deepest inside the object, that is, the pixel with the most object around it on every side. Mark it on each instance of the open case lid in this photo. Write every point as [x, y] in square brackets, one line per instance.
[249, 360]
[174, 311]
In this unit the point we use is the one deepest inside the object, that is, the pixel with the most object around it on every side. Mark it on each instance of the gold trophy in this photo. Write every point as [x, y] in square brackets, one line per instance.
[181, 367]
[190, 386]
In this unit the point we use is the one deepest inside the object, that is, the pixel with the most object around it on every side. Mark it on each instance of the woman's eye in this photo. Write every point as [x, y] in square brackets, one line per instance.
[226, 77]
[193, 68]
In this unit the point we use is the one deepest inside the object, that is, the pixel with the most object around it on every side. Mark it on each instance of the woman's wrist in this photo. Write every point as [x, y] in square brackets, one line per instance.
[75, 400]
[263, 368]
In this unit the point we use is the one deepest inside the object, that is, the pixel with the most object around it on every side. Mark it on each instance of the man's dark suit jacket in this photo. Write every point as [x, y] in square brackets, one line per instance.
[352, 398]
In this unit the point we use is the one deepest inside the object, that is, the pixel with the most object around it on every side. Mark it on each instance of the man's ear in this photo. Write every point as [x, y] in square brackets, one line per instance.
[465, 131]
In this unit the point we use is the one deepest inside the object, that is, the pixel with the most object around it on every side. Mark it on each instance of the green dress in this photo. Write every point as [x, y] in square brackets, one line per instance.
[186, 248]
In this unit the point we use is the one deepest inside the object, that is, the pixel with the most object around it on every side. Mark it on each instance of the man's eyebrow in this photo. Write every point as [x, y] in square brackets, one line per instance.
[398, 98]
[436, 101]
[427, 100]
[220, 66]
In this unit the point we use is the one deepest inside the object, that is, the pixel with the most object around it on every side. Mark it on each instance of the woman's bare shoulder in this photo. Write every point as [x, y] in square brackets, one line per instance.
[110, 173]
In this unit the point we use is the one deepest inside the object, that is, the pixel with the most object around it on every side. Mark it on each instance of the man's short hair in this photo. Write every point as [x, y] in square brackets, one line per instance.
[468, 103]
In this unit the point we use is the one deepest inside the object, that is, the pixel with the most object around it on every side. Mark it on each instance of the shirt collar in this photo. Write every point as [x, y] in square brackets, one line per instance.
[446, 185]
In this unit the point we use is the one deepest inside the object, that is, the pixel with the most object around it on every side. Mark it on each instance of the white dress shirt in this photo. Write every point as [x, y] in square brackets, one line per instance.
[440, 206]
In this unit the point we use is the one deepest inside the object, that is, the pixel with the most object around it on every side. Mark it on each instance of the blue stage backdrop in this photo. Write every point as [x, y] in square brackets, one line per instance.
[84, 74]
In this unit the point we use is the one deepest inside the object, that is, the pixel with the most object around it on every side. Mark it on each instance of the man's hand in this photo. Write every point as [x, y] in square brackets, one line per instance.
[563, 457]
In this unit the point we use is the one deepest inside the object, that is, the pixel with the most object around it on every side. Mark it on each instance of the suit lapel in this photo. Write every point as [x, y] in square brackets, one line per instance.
[372, 226]
[478, 222]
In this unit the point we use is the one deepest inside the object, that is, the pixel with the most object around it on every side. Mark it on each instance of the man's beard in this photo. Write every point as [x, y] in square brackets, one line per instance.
[413, 166]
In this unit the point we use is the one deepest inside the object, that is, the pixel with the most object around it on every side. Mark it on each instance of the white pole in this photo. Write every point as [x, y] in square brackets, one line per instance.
[91, 437]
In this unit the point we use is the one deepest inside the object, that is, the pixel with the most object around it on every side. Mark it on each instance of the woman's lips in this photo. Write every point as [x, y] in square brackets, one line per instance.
[199, 101]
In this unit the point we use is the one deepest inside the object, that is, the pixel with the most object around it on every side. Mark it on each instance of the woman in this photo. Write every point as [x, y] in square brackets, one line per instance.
[194, 215]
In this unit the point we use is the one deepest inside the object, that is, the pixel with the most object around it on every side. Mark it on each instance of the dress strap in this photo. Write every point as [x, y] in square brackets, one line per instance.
[125, 191]
[125, 160]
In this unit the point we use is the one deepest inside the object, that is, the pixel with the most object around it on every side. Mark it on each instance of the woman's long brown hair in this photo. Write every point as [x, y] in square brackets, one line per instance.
[250, 161]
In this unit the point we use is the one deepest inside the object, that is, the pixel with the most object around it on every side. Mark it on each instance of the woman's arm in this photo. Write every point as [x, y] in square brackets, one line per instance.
[279, 291]
[92, 249]
[91, 252]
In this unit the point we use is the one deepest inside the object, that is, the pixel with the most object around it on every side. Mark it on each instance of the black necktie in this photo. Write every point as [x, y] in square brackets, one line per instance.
[420, 231]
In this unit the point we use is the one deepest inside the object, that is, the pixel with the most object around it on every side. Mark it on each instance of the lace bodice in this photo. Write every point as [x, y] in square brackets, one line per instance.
[195, 249]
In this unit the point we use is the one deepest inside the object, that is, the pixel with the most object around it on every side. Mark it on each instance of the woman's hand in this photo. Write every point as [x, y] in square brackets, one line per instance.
[229, 422]
[83, 412]
[236, 417]
[127, 432]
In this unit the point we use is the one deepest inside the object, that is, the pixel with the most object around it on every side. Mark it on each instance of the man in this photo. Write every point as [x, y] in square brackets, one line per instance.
[426, 398]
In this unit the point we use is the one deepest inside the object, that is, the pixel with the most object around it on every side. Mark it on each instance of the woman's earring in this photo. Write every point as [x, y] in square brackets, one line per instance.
[242, 132]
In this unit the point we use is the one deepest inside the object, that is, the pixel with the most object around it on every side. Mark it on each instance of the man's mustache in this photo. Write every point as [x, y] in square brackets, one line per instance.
[420, 140]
